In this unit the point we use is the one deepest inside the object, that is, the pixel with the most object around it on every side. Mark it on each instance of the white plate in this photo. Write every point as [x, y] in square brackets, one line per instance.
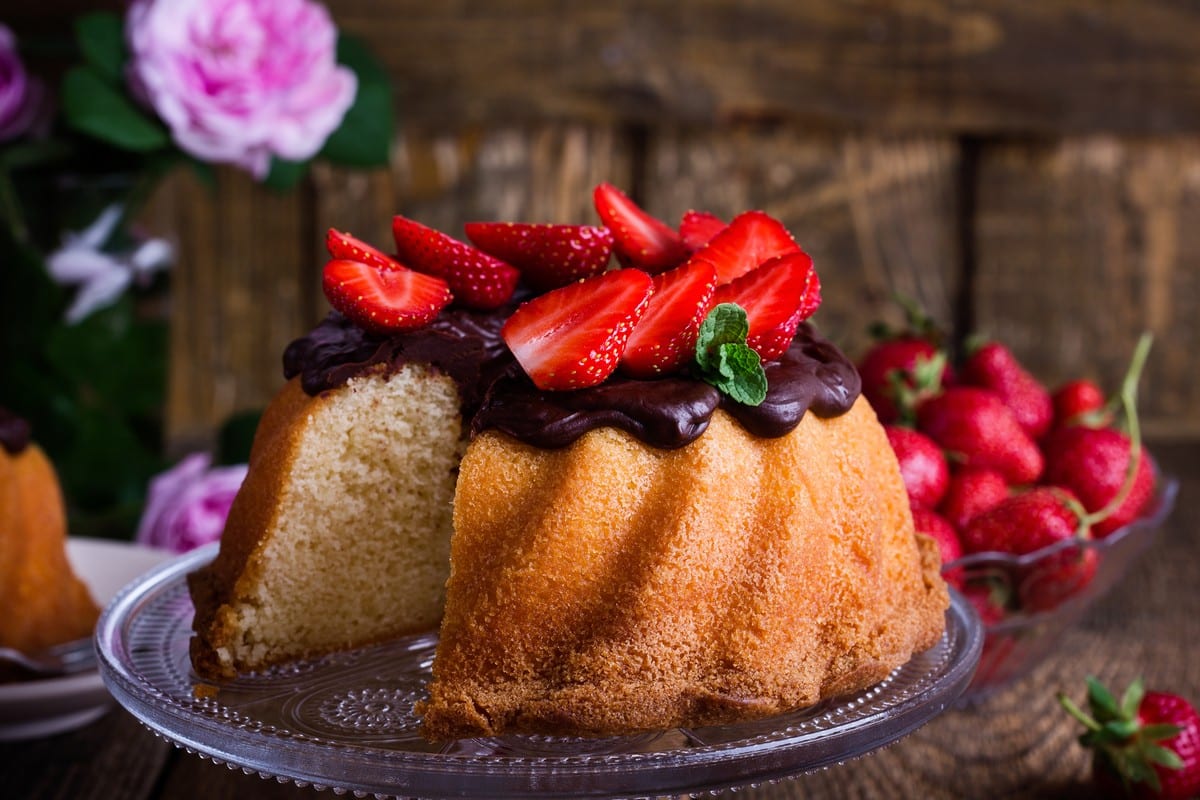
[32, 709]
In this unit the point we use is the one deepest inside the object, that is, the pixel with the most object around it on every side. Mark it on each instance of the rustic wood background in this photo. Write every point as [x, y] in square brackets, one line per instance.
[1026, 170]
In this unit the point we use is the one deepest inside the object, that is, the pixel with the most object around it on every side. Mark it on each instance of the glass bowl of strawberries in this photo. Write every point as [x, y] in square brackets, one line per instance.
[1039, 501]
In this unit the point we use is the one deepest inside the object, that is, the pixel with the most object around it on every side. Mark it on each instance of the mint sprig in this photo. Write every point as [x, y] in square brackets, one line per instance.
[725, 360]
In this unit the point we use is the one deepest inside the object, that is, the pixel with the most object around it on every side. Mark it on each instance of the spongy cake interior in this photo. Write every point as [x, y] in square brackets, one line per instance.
[350, 510]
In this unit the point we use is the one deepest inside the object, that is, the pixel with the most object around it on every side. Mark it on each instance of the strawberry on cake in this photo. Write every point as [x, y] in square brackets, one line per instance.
[628, 498]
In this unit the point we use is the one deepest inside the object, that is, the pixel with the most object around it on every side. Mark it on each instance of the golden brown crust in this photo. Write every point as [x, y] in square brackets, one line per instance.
[44, 602]
[250, 517]
[611, 587]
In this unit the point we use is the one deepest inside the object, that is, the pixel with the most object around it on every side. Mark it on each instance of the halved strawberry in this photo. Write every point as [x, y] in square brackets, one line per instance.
[665, 339]
[574, 337]
[777, 297]
[639, 239]
[477, 279]
[547, 256]
[750, 239]
[383, 300]
[343, 245]
[697, 228]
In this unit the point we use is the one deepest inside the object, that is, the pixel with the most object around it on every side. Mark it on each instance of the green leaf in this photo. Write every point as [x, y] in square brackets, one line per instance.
[284, 175]
[95, 107]
[1160, 731]
[1104, 705]
[364, 138]
[1157, 754]
[1132, 699]
[101, 38]
[725, 360]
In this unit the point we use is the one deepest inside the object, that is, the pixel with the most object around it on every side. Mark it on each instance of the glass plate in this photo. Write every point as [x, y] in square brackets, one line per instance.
[345, 721]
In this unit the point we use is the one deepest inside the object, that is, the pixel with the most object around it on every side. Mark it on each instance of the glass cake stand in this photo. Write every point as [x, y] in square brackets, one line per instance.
[345, 722]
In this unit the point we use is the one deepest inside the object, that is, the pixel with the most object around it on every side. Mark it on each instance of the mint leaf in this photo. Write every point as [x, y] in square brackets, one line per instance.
[101, 39]
[725, 360]
[97, 108]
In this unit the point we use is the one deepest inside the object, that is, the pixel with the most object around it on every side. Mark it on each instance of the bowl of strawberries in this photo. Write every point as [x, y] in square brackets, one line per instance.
[1040, 501]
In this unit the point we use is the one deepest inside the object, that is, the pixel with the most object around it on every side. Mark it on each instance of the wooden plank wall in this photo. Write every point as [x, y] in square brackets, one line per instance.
[1028, 170]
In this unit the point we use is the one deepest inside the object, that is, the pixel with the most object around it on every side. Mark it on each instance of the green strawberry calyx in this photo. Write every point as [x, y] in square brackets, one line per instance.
[724, 360]
[1122, 743]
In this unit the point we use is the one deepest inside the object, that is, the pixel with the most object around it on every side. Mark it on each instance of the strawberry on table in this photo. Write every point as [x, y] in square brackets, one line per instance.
[977, 429]
[574, 337]
[664, 340]
[477, 279]
[383, 300]
[922, 465]
[639, 239]
[698, 227]
[751, 239]
[1144, 745]
[777, 297]
[993, 366]
[547, 256]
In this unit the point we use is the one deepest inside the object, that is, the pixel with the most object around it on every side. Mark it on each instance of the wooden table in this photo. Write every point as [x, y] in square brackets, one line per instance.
[1016, 744]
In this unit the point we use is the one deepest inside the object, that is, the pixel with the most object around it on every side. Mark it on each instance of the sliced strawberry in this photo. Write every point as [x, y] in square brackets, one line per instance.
[639, 239]
[777, 297]
[477, 279]
[752, 238]
[697, 228]
[574, 337]
[665, 339]
[343, 245]
[383, 300]
[547, 256]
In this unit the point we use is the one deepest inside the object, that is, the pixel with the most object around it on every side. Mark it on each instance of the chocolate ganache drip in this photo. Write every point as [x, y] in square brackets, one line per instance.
[15, 432]
[667, 413]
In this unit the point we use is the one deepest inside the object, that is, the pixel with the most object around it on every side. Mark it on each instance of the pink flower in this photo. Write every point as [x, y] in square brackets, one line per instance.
[188, 504]
[21, 96]
[240, 81]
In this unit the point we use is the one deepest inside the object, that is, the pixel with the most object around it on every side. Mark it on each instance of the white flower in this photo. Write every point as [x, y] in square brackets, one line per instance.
[102, 277]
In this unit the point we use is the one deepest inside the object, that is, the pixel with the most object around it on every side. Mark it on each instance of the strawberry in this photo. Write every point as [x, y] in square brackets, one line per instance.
[1076, 401]
[898, 372]
[547, 256]
[1146, 745]
[639, 239]
[477, 279]
[922, 466]
[574, 337]
[1094, 464]
[936, 527]
[1108, 470]
[1030, 521]
[344, 246]
[989, 599]
[665, 338]
[977, 429]
[777, 297]
[383, 300]
[749, 240]
[698, 227]
[971, 491]
[993, 366]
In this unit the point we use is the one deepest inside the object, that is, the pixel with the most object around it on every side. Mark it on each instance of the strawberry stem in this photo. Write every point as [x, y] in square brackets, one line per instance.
[1129, 406]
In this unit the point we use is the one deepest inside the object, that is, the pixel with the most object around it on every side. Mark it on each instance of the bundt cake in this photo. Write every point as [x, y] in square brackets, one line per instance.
[44, 602]
[709, 541]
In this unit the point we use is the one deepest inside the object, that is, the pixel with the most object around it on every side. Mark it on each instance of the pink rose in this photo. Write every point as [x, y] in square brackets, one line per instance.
[188, 504]
[238, 81]
[21, 96]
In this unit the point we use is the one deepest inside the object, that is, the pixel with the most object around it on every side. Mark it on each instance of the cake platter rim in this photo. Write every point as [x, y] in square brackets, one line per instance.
[307, 761]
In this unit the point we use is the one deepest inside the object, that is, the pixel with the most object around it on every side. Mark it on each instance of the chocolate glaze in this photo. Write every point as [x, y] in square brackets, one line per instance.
[15, 432]
[667, 412]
